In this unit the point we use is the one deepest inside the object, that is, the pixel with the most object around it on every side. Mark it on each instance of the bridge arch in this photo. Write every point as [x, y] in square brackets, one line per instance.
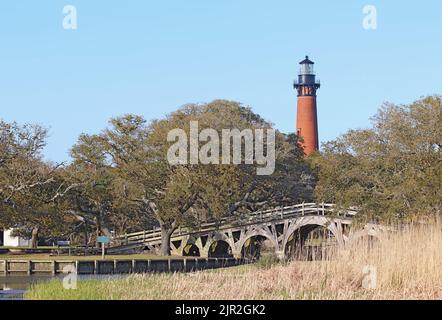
[191, 250]
[318, 229]
[216, 244]
[253, 241]
[220, 249]
[186, 246]
[324, 222]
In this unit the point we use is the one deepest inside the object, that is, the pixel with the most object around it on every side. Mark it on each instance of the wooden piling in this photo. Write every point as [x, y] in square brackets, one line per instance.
[96, 271]
[53, 268]
[6, 267]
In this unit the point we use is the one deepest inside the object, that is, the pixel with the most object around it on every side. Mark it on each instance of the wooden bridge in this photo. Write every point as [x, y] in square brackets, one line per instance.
[283, 229]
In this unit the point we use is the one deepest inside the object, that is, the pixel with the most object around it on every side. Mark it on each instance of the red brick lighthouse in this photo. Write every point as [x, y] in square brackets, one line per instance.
[307, 117]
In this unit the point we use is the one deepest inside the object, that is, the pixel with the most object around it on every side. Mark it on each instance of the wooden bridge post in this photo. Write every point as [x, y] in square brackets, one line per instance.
[29, 268]
[6, 267]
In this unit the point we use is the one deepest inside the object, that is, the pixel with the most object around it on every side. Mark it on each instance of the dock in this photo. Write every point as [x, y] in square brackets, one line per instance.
[116, 266]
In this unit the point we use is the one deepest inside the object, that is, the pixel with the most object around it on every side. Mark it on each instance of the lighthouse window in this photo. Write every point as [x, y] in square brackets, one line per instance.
[306, 68]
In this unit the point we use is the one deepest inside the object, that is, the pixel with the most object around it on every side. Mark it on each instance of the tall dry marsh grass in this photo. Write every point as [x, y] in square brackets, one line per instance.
[402, 265]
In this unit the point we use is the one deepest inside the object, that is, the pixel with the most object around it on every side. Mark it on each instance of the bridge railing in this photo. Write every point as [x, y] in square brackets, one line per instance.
[235, 221]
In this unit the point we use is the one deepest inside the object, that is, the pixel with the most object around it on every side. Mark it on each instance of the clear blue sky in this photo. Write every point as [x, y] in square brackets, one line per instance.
[150, 57]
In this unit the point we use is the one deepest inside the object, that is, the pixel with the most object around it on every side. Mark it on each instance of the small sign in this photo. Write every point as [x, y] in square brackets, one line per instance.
[103, 239]
[63, 243]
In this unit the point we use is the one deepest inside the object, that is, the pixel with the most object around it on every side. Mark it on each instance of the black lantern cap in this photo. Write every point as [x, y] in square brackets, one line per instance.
[306, 61]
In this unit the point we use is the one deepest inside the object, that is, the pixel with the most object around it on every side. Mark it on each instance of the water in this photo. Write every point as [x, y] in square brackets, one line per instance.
[14, 287]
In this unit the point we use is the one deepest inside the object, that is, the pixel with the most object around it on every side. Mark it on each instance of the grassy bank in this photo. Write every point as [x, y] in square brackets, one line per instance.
[408, 265]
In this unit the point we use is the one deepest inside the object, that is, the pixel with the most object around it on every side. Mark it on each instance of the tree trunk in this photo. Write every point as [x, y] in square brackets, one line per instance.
[97, 234]
[86, 239]
[166, 234]
[97, 231]
[34, 238]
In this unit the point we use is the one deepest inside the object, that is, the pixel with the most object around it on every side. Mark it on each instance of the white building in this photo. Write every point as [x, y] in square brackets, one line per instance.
[11, 241]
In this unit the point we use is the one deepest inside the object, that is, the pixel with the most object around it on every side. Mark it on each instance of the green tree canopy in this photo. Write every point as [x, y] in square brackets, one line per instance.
[392, 170]
[187, 194]
[27, 183]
